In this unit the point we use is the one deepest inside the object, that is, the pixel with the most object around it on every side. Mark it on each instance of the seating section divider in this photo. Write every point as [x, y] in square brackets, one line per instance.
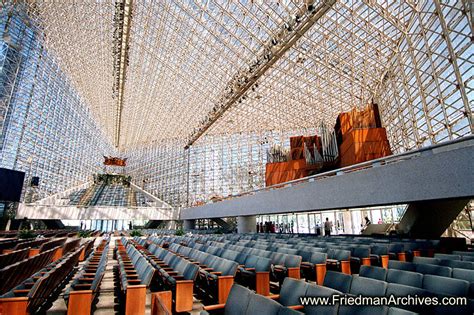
[87, 249]
[13, 257]
[43, 286]
[216, 275]
[84, 289]
[135, 273]
[175, 274]
[28, 244]
[16, 273]
[402, 283]
[245, 302]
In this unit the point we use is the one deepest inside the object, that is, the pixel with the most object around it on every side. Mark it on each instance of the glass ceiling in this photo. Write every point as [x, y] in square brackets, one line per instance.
[152, 71]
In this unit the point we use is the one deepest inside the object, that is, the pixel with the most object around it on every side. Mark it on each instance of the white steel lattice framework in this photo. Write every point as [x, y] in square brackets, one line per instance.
[159, 70]
[190, 72]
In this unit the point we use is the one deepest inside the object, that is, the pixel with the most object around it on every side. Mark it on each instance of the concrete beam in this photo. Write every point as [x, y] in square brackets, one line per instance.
[39, 212]
[440, 173]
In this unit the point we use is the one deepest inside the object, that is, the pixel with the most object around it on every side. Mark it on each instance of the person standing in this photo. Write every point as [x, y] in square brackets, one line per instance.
[327, 227]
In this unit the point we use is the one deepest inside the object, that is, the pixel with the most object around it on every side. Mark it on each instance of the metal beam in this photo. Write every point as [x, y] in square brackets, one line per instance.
[123, 19]
[274, 50]
[442, 172]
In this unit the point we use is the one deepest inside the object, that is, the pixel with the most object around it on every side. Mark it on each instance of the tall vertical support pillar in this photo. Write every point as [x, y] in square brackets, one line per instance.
[189, 224]
[247, 224]
[347, 217]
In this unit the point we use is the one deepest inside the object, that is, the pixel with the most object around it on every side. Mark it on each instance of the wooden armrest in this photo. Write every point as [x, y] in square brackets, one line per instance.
[134, 281]
[89, 274]
[214, 307]
[82, 286]
[22, 291]
[296, 307]
[178, 277]
[216, 273]
[207, 269]
[250, 269]
[274, 296]
[86, 279]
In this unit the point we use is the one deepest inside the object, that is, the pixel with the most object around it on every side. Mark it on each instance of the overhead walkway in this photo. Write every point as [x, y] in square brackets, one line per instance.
[438, 173]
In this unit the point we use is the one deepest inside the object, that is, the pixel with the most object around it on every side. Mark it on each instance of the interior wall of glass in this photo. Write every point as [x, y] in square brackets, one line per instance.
[427, 91]
[344, 221]
[160, 169]
[46, 128]
[411, 58]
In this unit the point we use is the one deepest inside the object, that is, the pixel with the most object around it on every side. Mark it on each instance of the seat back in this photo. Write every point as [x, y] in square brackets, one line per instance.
[373, 272]
[191, 271]
[379, 250]
[447, 256]
[263, 264]
[463, 253]
[445, 286]
[467, 275]
[238, 300]
[395, 248]
[426, 260]
[291, 291]
[428, 269]
[314, 290]
[318, 258]
[367, 287]
[259, 304]
[401, 265]
[285, 250]
[360, 252]
[404, 277]
[400, 290]
[457, 264]
[338, 281]
[339, 254]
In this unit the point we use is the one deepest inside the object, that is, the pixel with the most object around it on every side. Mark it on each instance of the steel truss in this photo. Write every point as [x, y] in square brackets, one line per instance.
[187, 77]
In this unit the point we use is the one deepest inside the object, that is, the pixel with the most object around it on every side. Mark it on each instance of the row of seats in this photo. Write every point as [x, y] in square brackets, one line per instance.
[283, 265]
[175, 274]
[464, 255]
[82, 292]
[31, 244]
[243, 301]
[16, 273]
[13, 257]
[216, 275]
[424, 268]
[369, 283]
[414, 278]
[440, 260]
[253, 271]
[135, 274]
[42, 287]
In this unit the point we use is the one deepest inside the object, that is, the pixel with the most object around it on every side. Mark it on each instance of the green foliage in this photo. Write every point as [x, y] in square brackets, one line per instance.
[179, 232]
[135, 233]
[84, 234]
[24, 234]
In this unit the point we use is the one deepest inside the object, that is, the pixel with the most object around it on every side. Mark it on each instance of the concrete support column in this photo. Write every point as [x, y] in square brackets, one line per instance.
[171, 225]
[346, 215]
[430, 219]
[189, 224]
[247, 224]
